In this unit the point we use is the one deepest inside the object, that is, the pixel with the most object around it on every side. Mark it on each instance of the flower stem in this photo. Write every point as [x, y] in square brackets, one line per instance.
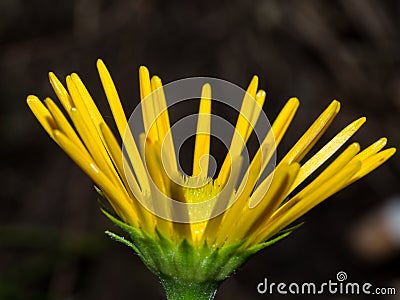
[177, 289]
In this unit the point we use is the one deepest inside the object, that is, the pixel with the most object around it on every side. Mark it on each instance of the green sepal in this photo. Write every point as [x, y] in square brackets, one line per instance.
[122, 240]
[100, 192]
[238, 260]
[169, 259]
[225, 254]
[173, 259]
[138, 241]
[185, 259]
[281, 235]
[291, 229]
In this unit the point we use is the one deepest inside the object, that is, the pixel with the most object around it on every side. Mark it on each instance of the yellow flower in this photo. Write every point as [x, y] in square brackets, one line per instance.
[244, 227]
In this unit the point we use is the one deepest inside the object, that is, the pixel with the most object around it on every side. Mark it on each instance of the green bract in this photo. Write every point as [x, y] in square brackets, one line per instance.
[186, 271]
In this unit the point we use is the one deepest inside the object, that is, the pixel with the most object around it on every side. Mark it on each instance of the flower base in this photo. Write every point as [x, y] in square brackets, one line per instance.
[177, 289]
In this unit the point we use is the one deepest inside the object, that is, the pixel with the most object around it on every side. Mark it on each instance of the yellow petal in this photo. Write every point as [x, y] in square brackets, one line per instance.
[61, 92]
[218, 228]
[122, 125]
[160, 193]
[42, 114]
[305, 202]
[339, 163]
[268, 147]
[95, 146]
[202, 144]
[116, 156]
[327, 151]
[63, 124]
[371, 163]
[284, 119]
[79, 102]
[112, 98]
[334, 168]
[147, 103]
[372, 149]
[117, 199]
[163, 125]
[311, 136]
[263, 203]
[242, 130]
[91, 107]
[155, 167]
[260, 99]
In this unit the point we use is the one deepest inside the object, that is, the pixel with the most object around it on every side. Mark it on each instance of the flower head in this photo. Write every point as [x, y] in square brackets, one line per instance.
[137, 179]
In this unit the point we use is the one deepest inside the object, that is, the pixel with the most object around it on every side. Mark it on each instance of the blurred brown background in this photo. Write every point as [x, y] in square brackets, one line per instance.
[51, 230]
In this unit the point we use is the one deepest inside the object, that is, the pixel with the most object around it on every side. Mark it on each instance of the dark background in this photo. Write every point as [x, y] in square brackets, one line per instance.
[51, 230]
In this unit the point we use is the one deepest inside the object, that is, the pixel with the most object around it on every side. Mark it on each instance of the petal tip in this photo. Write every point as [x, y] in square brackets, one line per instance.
[31, 99]
[261, 93]
[294, 101]
[392, 151]
[383, 140]
[356, 146]
[337, 104]
[143, 69]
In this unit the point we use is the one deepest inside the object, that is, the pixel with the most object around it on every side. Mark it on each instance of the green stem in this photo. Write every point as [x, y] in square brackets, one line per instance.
[177, 289]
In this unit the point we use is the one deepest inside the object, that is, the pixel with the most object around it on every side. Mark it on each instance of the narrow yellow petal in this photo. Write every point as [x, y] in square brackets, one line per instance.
[88, 101]
[243, 194]
[331, 187]
[284, 119]
[95, 146]
[263, 203]
[88, 117]
[306, 202]
[116, 156]
[218, 229]
[158, 108]
[263, 154]
[257, 166]
[112, 98]
[42, 114]
[202, 144]
[371, 163]
[63, 124]
[339, 163]
[61, 92]
[155, 167]
[147, 103]
[260, 99]
[243, 125]
[245, 189]
[242, 130]
[163, 126]
[280, 178]
[80, 105]
[160, 193]
[122, 125]
[118, 200]
[311, 136]
[164, 189]
[267, 148]
[325, 177]
[268, 205]
[327, 151]
[372, 149]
